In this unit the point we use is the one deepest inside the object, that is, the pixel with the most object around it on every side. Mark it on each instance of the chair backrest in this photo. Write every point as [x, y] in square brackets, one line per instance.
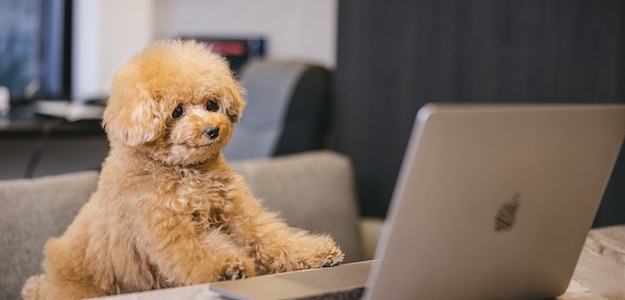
[313, 190]
[288, 110]
[32, 211]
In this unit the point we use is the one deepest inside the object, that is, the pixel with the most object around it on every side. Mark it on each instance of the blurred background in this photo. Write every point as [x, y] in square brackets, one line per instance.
[343, 75]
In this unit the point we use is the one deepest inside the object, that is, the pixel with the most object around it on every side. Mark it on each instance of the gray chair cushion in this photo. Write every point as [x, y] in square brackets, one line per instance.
[287, 110]
[31, 211]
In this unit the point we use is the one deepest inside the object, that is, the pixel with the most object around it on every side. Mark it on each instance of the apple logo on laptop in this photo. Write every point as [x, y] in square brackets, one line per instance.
[506, 215]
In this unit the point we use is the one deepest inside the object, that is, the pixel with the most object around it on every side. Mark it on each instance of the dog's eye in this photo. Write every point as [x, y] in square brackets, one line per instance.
[212, 105]
[177, 112]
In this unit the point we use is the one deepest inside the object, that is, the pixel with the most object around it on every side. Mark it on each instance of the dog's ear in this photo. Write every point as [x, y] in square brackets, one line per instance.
[236, 102]
[132, 116]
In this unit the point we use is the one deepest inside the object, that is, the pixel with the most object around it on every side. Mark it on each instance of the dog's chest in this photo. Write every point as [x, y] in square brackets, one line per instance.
[206, 198]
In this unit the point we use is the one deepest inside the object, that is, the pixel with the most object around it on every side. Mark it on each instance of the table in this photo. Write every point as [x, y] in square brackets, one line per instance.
[37, 145]
[600, 273]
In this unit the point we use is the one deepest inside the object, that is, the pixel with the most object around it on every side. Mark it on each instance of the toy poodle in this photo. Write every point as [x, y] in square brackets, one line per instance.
[168, 209]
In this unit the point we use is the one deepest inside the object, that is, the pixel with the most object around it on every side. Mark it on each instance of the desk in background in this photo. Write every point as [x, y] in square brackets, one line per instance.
[32, 145]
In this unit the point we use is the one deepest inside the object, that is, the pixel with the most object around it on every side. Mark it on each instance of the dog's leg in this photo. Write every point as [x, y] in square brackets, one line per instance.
[293, 249]
[31, 288]
[279, 248]
[50, 287]
[184, 257]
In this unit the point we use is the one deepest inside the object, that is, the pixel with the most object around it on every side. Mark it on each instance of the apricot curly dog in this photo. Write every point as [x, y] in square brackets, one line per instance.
[168, 210]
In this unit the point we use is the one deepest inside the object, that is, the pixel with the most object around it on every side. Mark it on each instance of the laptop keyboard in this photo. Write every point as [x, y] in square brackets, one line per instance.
[353, 294]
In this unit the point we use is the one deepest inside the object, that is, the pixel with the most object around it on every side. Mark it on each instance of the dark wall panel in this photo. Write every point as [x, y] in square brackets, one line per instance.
[394, 56]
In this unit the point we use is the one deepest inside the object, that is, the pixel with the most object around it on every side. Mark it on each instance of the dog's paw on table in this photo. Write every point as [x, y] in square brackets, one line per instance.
[236, 270]
[333, 259]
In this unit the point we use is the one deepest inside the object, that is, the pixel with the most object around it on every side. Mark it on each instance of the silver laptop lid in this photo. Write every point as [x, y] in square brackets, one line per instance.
[495, 201]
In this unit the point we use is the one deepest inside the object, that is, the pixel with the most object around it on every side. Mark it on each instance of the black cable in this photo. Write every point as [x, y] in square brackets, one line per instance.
[40, 147]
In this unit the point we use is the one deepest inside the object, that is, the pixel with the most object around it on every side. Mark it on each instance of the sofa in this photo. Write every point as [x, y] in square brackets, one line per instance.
[312, 190]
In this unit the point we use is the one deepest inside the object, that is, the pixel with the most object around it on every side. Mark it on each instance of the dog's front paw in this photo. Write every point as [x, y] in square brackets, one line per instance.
[237, 269]
[333, 258]
[234, 272]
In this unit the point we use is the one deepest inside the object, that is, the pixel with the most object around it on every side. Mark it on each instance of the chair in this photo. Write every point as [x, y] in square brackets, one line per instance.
[288, 110]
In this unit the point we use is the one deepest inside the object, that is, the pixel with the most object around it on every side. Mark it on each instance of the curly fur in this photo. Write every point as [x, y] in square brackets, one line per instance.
[168, 210]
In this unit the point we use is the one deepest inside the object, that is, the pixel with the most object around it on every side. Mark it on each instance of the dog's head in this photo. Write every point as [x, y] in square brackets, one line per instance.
[177, 100]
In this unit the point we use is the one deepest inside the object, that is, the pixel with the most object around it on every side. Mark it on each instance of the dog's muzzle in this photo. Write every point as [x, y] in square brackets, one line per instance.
[212, 132]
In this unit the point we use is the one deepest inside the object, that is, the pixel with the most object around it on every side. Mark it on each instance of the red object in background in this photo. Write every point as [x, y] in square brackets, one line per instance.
[237, 50]
[229, 48]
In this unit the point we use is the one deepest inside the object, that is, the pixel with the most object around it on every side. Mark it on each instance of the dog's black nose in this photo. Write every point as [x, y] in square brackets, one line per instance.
[212, 132]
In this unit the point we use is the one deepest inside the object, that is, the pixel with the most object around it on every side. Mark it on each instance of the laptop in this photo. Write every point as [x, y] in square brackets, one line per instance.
[493, 201]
